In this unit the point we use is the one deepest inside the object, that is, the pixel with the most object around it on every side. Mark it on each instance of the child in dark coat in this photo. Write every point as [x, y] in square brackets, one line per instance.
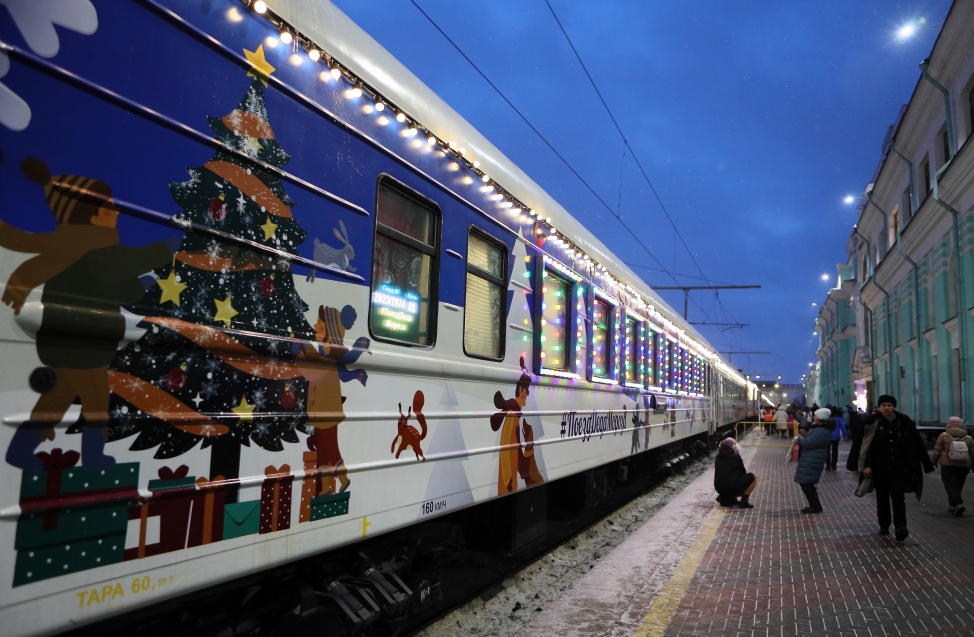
[731, 479]
[811, 462]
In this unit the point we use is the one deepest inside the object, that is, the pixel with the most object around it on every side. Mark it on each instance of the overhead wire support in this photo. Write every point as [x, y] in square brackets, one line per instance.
[686, 290]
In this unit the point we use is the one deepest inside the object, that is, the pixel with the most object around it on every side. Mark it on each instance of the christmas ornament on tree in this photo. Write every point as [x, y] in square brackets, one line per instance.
[267, 286]
[176, 378]
[287, 398]
[218, 208]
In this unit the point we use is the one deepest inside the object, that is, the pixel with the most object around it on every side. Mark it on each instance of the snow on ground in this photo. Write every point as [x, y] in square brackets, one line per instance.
[502, 610]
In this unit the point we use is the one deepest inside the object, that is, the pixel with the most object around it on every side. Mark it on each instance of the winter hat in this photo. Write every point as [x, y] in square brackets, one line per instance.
[728, 442]
[71, 198]
[332, 319]
[954, 420]
[823, 413]
[886, 398]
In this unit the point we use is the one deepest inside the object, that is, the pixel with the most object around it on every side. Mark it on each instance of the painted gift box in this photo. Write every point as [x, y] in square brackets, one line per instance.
[172, 498]
[329, 506]
[275, 499]
[207, 520]
[72, 519]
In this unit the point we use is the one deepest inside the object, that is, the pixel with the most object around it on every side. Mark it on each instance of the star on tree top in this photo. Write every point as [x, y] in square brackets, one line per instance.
[261, 67]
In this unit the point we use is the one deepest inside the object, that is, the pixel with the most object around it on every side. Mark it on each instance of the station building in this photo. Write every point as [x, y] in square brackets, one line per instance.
[900, 319]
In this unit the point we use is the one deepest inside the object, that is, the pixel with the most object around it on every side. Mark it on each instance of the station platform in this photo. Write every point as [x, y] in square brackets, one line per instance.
[696, 568]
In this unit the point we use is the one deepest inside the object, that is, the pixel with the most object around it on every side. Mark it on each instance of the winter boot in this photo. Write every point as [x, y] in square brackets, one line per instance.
[744, 504]
[24, 443]
[93, 456]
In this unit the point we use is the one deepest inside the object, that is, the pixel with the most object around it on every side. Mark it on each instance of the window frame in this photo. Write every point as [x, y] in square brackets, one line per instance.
[612, 356]
[544, 265]
[401, 237]
[651, 345]
[504, 283]
[627, 315]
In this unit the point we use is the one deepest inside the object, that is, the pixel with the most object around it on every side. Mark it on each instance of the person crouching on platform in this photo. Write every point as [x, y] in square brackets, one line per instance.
[731, 479]
[954, 452]
[891, 459]
[814, 444]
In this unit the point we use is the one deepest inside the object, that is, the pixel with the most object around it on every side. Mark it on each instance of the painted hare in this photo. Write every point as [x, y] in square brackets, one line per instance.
[335, 257]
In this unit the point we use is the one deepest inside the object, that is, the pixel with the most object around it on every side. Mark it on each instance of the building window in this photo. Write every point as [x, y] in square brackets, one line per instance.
[945, 140]
[894, 223]
[601, 338]
[404, 266]
[632, 358]
[483, 314]
[554, 322]
[925, 170]
[651, 341]
[970, 111]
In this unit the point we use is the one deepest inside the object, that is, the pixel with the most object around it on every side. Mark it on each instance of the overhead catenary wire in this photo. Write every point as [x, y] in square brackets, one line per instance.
[635, 158]
[552, 148]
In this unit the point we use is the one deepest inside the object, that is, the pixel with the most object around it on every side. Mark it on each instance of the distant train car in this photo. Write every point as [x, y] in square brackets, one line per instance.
[265, 295]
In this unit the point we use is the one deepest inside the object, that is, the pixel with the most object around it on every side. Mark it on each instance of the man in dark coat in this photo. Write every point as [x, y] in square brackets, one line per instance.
[731, 479]
[892, 460]
[87, 275]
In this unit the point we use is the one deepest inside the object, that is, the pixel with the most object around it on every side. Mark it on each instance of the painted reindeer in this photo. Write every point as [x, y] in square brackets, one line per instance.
[335, 257]
[410, 437]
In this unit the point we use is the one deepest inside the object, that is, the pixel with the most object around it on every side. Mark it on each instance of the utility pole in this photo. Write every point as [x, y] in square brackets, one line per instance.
[686, 290]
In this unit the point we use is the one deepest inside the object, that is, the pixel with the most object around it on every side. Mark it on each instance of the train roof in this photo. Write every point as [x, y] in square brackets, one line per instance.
[339, 37]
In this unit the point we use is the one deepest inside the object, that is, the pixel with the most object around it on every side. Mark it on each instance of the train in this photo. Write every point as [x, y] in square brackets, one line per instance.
[266, 296]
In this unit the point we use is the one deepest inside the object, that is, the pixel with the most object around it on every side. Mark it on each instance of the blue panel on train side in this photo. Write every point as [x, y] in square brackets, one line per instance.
[78, 130]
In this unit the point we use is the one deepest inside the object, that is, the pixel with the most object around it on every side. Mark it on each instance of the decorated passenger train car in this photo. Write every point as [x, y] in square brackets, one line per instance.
[265, 295]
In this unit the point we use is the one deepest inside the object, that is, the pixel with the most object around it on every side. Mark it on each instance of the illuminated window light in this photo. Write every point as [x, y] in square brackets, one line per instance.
[314, 55]
[401, 117]
[286, 37]
[260, 6]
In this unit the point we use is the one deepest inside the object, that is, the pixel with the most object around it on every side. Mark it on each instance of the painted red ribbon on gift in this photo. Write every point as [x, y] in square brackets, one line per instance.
[54, 463]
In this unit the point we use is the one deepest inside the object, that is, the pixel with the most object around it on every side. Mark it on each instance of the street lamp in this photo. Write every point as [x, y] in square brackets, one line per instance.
[910, 29]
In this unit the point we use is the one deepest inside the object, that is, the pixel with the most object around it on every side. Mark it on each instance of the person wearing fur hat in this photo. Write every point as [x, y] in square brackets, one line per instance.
[814, 444]
[954, 452]
[87, 276]
[731, 479]
[891, 460]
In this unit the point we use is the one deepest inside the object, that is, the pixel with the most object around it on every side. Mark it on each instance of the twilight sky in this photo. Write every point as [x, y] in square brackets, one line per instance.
[752, 120]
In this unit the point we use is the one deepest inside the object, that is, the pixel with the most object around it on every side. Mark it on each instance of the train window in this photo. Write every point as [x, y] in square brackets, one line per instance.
[581, 333]
[483, 314]
[403, 306]
[601, 339]
[650, 371]
[631, 358]
[556, 297]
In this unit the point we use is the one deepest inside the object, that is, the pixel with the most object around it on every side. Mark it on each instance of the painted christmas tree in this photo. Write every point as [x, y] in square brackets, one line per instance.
[520, 321]
[449, 477]
[201, 374]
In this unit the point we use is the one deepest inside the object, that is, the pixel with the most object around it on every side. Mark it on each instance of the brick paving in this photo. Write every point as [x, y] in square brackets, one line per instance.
[774, 571]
